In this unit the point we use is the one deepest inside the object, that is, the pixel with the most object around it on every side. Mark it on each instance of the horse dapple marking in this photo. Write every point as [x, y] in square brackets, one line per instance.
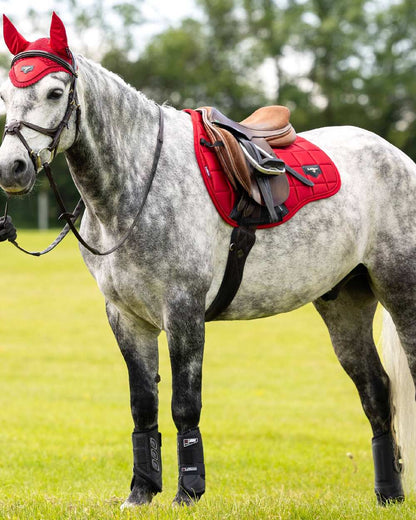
[169, 271]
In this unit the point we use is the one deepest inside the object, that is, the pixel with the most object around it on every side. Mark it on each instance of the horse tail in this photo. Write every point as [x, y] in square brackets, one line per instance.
[403, 403]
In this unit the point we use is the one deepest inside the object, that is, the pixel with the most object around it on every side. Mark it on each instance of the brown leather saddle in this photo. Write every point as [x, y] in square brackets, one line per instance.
[245, 152]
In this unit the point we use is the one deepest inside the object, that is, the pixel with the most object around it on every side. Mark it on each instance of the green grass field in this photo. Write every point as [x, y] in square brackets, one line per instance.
[284, 434]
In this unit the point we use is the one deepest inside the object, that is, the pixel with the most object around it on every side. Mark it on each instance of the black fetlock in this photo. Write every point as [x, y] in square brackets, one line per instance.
[147, 469]
[191, 485]
[387, 468]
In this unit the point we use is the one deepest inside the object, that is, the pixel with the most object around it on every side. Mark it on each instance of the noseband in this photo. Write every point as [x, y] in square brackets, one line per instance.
[39, 158]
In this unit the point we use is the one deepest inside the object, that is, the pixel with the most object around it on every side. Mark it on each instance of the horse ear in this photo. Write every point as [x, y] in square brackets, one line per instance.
[14, 40]
[58, 39]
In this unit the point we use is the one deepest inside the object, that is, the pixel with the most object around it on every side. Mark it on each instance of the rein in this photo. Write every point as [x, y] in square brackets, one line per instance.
[71, 217]
[76, 213]
[40, 162]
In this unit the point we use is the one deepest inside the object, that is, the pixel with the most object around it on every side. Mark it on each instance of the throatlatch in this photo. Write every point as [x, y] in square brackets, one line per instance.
[147, 459]
[191, 465]
[387, 469]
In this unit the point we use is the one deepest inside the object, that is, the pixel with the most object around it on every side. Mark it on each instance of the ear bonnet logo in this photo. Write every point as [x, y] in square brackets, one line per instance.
[27, 68]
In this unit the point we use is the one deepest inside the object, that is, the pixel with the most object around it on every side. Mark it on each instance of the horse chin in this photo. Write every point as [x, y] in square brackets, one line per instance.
[15, 191]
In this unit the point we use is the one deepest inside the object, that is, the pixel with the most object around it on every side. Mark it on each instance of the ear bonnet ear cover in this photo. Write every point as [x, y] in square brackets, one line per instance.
[29, 70]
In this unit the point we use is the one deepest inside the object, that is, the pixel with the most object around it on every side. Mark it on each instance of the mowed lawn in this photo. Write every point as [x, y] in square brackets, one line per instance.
[284, 433]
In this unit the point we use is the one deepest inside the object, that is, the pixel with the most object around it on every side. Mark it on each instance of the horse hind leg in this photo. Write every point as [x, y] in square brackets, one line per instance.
[393, 278]
[349, 318]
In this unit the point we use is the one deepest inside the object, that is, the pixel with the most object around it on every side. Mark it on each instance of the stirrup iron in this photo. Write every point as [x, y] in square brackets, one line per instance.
[268, 166]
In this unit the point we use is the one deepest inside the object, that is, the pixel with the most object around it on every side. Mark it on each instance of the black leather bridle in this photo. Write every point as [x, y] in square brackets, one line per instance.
[14, 127]
[40, 162]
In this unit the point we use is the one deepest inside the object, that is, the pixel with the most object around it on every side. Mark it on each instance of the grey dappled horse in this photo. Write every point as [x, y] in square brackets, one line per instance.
[169, 270]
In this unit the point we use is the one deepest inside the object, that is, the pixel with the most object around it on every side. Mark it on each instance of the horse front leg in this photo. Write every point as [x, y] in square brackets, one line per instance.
[185, 330]
[138, 342]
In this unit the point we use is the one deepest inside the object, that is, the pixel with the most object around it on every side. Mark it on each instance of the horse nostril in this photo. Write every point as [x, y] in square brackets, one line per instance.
[19, 167]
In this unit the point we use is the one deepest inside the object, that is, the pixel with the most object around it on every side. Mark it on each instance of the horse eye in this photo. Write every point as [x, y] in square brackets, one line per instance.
[56, 93]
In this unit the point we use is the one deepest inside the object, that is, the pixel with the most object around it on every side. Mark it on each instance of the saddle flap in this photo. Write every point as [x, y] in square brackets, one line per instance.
[279, 187]
[229, 153]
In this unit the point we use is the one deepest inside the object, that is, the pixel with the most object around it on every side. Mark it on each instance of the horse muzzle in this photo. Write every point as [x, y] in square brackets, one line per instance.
[17, 175]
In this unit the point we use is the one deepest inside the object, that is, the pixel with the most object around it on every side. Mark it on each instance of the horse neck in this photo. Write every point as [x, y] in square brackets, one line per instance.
[112, 157]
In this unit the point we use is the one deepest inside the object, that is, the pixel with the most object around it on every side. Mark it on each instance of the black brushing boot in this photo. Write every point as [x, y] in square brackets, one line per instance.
[191, 485]
[147, 470]
[387, 469]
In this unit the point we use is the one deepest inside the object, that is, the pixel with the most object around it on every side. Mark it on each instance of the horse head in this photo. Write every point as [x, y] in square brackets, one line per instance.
[40, 98]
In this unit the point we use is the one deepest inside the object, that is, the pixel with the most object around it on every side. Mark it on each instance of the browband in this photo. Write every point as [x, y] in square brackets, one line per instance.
[43, 54]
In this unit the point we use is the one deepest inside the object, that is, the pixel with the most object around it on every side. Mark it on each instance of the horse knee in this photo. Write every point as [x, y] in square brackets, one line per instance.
[144, 409]
[186, 415]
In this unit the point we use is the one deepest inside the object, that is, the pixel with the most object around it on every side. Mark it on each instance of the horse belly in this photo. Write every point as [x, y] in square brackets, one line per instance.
[285, 271]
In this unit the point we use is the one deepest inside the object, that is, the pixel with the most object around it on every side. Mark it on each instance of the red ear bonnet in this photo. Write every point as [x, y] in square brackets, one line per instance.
[14, 40]
[58, 39]
[29, 70]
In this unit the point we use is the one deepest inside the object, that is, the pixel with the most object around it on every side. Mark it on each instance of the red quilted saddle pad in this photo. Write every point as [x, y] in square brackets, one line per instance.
[303, 156]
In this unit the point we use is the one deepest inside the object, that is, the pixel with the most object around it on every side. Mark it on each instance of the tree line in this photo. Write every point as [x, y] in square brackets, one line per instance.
[331, 62]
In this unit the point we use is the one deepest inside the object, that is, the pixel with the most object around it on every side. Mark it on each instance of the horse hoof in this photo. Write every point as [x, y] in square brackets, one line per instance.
[185, 499]
[383, 500]
[138, 497]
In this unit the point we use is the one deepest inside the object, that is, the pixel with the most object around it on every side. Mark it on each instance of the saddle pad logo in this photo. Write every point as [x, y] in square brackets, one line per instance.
[313, 169]
[190, 442]
[27, 68]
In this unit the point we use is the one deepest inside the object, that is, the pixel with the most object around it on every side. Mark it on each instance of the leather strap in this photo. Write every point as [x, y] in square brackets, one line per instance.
[69, 216]
[242, 240]
[13, 128]
[75, 214]
[44, 54]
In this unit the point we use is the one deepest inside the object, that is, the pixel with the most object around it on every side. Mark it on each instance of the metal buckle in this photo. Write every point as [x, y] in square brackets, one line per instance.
[45, 155]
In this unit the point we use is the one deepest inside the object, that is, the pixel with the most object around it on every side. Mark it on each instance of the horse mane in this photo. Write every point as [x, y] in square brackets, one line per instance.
[118, 130]
[105, 84]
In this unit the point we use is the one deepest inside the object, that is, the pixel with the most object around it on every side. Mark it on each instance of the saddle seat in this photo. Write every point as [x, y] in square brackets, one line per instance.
[271, 123]
[267, 128]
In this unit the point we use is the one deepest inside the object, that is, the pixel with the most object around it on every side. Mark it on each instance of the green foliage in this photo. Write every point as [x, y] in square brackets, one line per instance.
[187, 67]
